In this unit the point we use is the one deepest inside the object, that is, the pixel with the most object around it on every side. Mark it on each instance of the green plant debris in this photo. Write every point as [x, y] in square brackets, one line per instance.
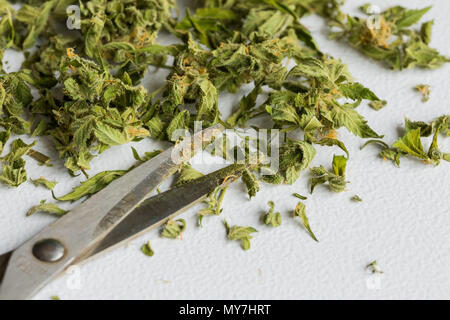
[44, 207]
[272, 218]
[336, 178]
[174, 229]
[300, 211]
[240, 233]
[378, 105]
[214, 203]
[389, 36]
[44, 182]
[147, 249]
[411, 143]
[299, 196]
[373, 267]
[424, 90]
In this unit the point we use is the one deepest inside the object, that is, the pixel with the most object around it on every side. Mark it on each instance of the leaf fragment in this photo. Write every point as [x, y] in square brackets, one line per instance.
[147, 249]
[425, 90]
[240, 233]
[300, 211]
[50, 185]
[373, 267]
[174, 228]
[299, 196]
[378, 104]
[92, 185]
[272, 218]
[44, 207]
[336, 179]
[188, 174]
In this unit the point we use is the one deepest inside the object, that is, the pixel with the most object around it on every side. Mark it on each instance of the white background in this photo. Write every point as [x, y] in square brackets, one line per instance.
[403, 222]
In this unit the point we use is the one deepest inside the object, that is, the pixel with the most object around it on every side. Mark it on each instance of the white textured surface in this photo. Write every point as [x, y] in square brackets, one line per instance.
[404, 221]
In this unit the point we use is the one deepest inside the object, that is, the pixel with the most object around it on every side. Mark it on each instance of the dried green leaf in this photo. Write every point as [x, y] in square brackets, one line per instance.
[299, 196]
[41, 158]
[339, 165]
[336, 179]
[250, 182]
[300, 211]
[388, 36]
[174, 229]
[386, 151]
[378, 104]
[410, 17]
[179, 122]
[373, 267]
[188, 173]
[44, 182]
[147, 156]
[332, 142]
[425, 90]
[92, 185]
[240, 233]
[347, 116]
[14, 174]
[111, 136]
[295, 156]
[357, 91]
[410, 143]
[271, 217]
[356, 198]
[4, 137]
[47, 208]
[214, 203]
[426, 30]
[40, 129]
[147, 249]
[18, 150]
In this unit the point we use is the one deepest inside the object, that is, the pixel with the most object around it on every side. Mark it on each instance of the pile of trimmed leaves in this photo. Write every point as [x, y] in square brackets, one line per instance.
[86, 82]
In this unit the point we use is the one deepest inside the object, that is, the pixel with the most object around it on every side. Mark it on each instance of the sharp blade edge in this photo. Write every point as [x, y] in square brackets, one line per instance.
[157, 210]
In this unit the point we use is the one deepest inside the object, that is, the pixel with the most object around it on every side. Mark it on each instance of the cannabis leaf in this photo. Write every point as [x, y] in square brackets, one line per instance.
[300, 211]
[271, 217]
[346, 116]
[47, 208]
[174, 229]
[336, 179]
[44, 182]
[147, 249]
[240, 233]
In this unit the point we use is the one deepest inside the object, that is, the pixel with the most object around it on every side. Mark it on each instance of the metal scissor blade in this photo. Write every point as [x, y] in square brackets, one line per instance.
[76, 234]
[156, 210]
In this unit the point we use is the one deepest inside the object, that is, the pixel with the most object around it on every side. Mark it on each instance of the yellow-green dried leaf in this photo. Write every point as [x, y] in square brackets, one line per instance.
[300, 211]
[47, 208]
[147, 249]
[240, 233]
[44, 182]
[174, 228]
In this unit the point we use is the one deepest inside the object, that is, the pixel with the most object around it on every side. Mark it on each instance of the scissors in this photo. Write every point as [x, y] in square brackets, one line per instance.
[120, 212]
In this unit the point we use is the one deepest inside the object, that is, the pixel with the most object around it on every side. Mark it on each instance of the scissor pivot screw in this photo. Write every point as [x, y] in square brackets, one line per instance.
[49, 250]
